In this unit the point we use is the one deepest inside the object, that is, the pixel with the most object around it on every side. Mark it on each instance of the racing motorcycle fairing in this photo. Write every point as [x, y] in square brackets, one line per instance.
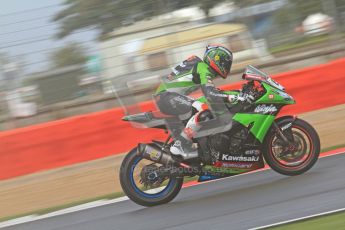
[289, 145]
[234, 151]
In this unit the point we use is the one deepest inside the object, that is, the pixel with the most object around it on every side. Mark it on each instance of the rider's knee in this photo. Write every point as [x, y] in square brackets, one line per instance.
[205, 115]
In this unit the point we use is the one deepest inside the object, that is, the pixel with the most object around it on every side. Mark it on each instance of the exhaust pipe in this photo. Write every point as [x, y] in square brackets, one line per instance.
[155, 154]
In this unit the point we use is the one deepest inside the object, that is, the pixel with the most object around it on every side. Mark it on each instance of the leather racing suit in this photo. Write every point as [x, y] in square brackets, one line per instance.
[172, 98]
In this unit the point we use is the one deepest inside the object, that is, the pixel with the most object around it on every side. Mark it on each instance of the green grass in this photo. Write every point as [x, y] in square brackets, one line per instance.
[331, 222]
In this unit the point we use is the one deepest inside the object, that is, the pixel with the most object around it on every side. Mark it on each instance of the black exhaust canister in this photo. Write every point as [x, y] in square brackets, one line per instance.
[155, 154]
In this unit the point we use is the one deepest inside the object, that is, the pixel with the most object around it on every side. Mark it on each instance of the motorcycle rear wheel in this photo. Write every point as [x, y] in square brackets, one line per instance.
[134, 191]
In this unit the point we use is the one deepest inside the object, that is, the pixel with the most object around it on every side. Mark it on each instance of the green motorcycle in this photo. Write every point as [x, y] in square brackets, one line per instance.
[150, 175]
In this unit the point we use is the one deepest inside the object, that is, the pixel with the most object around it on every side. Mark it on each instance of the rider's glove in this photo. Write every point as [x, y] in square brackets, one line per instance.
[241, 98]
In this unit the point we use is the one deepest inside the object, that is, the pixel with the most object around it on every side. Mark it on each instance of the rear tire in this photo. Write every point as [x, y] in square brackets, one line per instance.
[141, 198]
[313, 150]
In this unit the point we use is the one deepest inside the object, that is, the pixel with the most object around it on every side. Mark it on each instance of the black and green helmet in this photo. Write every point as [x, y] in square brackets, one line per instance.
[219, 59]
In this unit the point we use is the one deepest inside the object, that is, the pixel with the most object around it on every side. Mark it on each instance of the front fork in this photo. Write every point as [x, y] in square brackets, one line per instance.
[280, 133]
[288, 142]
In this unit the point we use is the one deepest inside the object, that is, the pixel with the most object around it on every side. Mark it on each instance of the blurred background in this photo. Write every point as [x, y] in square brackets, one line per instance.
[64, 58]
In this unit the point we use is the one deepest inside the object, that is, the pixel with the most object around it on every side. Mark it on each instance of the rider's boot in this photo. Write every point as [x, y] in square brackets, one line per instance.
[184, 148]
[184, 145]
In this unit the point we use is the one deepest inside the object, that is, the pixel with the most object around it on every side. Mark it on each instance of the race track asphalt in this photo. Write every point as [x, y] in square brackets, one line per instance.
[241, 202]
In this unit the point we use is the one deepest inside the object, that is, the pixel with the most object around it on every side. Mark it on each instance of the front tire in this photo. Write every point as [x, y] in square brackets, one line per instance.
[297, 161]
[130, 188]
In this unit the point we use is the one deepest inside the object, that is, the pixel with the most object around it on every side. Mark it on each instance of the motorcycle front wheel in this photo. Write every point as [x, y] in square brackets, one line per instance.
[297, 158]
[141, 182]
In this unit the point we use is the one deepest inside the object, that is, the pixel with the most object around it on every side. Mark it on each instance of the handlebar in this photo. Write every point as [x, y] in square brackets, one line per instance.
[251, 89]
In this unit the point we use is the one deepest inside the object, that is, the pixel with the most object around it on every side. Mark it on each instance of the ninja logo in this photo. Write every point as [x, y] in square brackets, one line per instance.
[265, 109]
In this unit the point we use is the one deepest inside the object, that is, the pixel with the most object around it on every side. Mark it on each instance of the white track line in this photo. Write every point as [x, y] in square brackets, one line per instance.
[77, 208]
[298, 219]
[99, 203]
